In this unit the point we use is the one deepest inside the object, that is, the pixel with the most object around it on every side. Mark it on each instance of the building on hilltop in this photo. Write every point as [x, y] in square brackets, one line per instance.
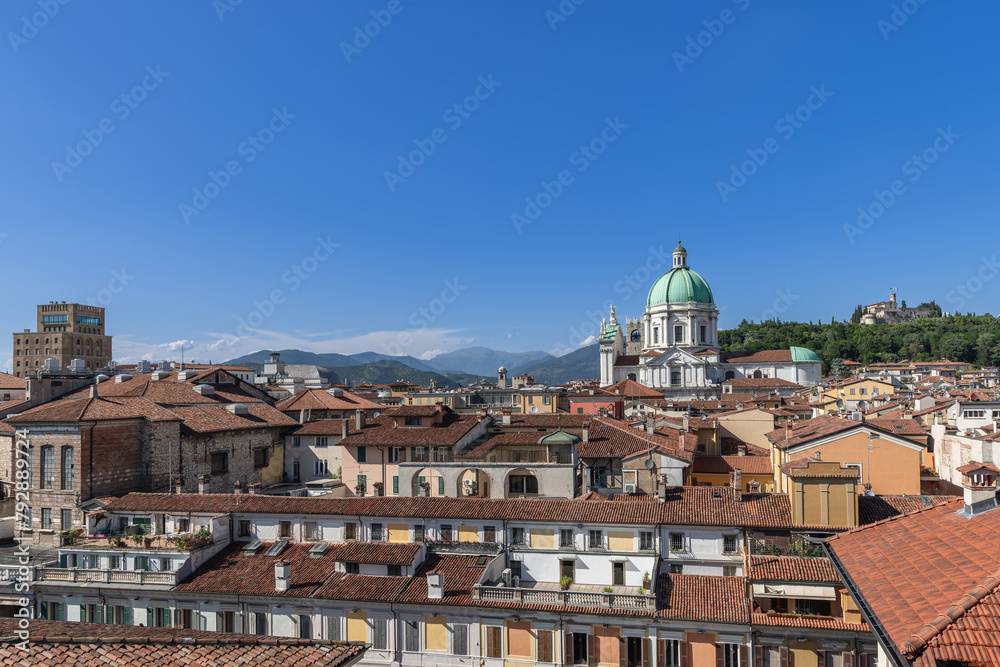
[888, 312]
[674, 348]
[63, 332]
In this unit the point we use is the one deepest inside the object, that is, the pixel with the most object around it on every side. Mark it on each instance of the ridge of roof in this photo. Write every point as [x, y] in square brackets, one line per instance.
[921, 638]
[858, 529]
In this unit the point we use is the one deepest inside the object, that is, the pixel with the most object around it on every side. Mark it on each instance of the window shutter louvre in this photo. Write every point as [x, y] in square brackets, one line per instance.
[848, 659]
[720, 660]
[661, 652]
[646, 650]
[783, 656]
[568, 648]
[758, 655]
[99, 613]
[440, 486]
[685, 654]
[745, 656]
[83, 613]
[149, 617]
[591, 649]
[820, 658]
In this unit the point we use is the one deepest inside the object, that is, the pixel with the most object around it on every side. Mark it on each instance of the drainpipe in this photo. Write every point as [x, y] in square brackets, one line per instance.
[90, 455]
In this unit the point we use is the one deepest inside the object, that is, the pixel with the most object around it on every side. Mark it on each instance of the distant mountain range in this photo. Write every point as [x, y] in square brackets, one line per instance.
[448, 369]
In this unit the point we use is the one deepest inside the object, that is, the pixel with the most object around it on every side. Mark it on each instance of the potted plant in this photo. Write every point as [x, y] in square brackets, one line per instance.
[645, 580]
[117, 542]
[608, 589]
[137, 539]
[565, 583]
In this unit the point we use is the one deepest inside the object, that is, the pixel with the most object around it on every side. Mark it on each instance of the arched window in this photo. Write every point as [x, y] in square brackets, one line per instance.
[48, 467]
[631, 376]
[636, 336]
[67, 468]
[730, 375]
[758, 374]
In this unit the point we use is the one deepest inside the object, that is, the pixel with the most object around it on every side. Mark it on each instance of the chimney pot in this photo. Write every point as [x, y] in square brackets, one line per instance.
[203, 481]
[282, 573]
[435, 585]
[344, 427]
[359, 419]
[586, 435]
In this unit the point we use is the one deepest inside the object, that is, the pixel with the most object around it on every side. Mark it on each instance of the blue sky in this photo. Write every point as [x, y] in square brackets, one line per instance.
[318, 237]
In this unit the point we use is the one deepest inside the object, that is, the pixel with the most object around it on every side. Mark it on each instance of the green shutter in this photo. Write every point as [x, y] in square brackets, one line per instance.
[60, 612]
[395, 483]
[166, 618]
[440, 486]
[99, 613]
[128, 615]
[420, 481]
[43, 611]
[109, 614]
[149, 617]
[362, 455]
[83, 613]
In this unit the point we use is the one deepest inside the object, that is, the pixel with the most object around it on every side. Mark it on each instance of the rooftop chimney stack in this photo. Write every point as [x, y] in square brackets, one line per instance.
[359, 419]
[650, 424]
[586, 435]
[282, 574]
[435, 585]
[979, 483]
[687, 422]
[345, 426]
[737, 485]
[203, 481]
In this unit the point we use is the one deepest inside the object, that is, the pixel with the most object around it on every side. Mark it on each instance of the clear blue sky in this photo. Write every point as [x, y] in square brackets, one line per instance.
[207, 84]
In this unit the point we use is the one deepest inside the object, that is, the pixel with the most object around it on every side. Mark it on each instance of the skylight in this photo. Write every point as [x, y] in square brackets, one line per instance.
[276, 548]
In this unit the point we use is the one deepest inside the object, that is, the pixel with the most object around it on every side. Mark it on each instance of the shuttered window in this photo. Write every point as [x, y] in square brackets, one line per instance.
[494, 641]
[544, 646]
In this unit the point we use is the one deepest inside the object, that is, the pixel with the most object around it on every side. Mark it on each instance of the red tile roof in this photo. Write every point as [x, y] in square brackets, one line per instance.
[931, 579]
[899, 426]
[702, 598]
[382, 431]
[880, 508]
[724, 465]
[71, 409]
[792, 568]
[321, 427]
[461, 573]
[627, 360]
[321, 399]
[761, 382]
[611, 438]
[633, 388]
[814, 622]
[67, 643]
[8, 381]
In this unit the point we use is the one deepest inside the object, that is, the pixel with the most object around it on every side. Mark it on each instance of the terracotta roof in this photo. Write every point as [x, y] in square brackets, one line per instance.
[550, 420]
[67, 643]
[417, 410]
[382, 431]
[321, 399]
[931, 579]
[461, 573]
[69, 409]
[792, 568]
[880, 508]
[800, 468]
[724, 465]
[321, 427]
[232, 572]
[822, 426]
[8, 381]
[973, 466]
[761, 382]
[683, 506]
[702, 598]
[633, 388]
[627, 360]
[899, 426]
[815, 622]
[610, 438]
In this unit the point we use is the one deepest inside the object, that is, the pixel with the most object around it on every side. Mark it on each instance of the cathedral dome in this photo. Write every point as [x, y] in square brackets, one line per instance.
[680, 285]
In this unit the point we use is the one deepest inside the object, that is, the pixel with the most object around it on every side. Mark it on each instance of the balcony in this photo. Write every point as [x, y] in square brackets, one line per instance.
[578, 595]
[181, 542]
[74, 575]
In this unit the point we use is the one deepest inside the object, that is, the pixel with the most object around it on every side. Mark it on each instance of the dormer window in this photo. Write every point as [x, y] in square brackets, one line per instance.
[413, 421]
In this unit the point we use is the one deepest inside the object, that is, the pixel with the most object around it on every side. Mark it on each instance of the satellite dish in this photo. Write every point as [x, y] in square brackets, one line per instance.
[534, 409]
[649, 464]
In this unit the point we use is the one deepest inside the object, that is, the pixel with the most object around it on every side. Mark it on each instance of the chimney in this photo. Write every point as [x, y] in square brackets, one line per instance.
[359, 419]
[345, 426]
[282, 574]
[302, 416]
[203, 481]
[687, 423]
[586, 435]
[738, 485]
[741, 449]
[359, 490]
[93, 390]
[506, 419]
[254, 488]
[979, 483]
[238, 487]
[435, 585]
[650, 424]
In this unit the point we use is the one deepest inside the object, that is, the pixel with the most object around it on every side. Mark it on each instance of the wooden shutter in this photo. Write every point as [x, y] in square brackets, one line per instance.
[591, 649]
[758, 656]
[848, 659]
[661, 652]
[685, 654]
[820, 658]
[622, 652]
[720, 658]
[544, 646]
[783, 656]
[646, 650]
[863, 660]
[745, 656]
[568, 648]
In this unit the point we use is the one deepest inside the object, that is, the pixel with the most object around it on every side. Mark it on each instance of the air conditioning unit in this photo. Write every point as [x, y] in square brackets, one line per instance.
[469, 491]
[468, 483]
[516, 582]
[630, 488]
[505, 576]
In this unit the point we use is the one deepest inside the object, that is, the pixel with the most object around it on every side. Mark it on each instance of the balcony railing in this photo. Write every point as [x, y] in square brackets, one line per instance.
[564, 598]
[74, 575]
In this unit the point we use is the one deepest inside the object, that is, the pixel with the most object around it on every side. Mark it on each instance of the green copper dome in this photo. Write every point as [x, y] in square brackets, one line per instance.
[680, 285]
[803, 354]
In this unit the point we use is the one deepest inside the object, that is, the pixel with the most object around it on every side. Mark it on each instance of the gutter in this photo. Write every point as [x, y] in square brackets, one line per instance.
[895, 658]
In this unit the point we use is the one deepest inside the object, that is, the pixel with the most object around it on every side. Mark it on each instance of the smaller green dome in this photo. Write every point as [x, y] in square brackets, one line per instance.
[560, 437]
[680, 248]
[804, 354]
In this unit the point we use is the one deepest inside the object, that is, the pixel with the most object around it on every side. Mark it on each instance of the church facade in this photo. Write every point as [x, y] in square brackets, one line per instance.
[674, 346]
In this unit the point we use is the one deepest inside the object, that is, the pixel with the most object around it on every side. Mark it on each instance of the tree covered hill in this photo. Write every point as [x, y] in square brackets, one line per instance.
[971, 338]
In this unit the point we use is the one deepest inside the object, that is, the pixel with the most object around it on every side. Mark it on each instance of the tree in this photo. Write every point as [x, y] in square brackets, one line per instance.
[955, 348]
[856, 317]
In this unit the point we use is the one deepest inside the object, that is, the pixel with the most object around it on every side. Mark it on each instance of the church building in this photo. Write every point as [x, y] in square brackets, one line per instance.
[674, 347]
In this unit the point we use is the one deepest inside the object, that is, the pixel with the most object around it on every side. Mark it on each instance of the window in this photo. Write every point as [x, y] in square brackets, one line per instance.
[420, 454]
[285, 530]
[362, 454]
[863, 391]
[244, 528]
[851, 391]
[579, 647]
[363, 483]
[678, 334]
[66, 519]
[544, 645]
[460, 643]
[670, 651]
[645, 540]
[376, 532]
[517, 536]
[220, 462]
[729, 544]
[305, 626]
[729, 570]
[676, 568]
[395, 484]
[296, 441]
[418, 533]
[321, 441]
[579, 411]
[675, 377]
[67, 469]
[141, 562]
[494, 641]
[730, 655]
[515, 568]
[46, 518]
[702, 329]
[114, 563]
[677, 541]
[527, 484]
[295, 470]
[412, 421]
[489, 534]
[350, 531]
[380, 634]
[310, 532]
[813, 607]
[440, 486]
[566, 538]
[48, 467]
[260, 457]
[394, 570]
[259, 623]
[411, 636]
[352, 568]
[595, 539]
[446, 533]
[656, 335]
[319, 467]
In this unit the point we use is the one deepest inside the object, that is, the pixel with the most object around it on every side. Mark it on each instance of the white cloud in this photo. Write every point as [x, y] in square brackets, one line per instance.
[430, 354]
[7, 365]
[513, 335]
[589, 340]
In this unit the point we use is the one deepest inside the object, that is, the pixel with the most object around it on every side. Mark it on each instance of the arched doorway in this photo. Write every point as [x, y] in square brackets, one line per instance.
[521, 482]
[473, 482]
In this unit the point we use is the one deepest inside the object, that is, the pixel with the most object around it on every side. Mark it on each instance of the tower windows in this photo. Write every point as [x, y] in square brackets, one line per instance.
[678, 334]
